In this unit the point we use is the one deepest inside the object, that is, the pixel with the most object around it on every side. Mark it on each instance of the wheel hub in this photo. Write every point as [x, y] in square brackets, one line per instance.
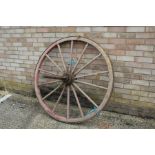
[68, 79]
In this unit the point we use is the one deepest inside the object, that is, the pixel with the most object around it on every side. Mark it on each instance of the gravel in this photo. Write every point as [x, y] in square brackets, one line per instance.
[21, 112]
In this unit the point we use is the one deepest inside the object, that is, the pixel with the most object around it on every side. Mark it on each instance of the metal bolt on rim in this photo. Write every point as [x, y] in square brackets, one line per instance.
[69, 79]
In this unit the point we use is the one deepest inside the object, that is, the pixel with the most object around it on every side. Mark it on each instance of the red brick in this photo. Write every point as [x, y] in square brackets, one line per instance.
[109, 35]
[69, 29]
[125, 58]
[83, 29]
[117, 52]
[135, 53]
[108, 46]
[43, 29]
[150, 41]
[144, 59]
[149, 54]
[135, 29]
[130, 47]
[140, 82]
[150, 29]
[145, 35]
[130, 97]
[135, 41]
[146, 99]
[144, 47]
[142, 71]
[117, 41]
[94, 35]
[99, 29]
[122, 91]
[126, 35]
[117, 29]
[120, 46]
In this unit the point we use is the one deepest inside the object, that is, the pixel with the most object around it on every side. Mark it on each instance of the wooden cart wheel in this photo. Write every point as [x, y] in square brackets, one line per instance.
[73, 79]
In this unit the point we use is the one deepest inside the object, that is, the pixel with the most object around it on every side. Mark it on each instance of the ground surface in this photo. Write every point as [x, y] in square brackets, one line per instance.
[25, 112]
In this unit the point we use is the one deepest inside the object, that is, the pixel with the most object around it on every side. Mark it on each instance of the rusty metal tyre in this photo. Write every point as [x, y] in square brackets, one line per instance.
[57, 70]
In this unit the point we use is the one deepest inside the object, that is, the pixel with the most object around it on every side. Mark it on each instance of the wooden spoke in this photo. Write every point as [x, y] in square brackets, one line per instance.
[88, 63]
[80, 57]
[49, 82]
[77, 100]
[59, 98]
[54, 62]
[51, 92]
[47, 72]
[54, 77]
[71, 56]
[91, 74]
[68, 101]
[62, 58]
[75, 85]
[90, 84]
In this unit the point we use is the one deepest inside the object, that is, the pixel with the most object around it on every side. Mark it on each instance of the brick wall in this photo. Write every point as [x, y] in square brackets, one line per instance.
[131, 50]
